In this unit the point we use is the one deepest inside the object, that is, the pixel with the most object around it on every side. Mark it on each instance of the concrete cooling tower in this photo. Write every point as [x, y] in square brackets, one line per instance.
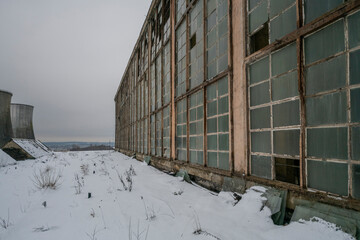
[5, 119]
[21, 119]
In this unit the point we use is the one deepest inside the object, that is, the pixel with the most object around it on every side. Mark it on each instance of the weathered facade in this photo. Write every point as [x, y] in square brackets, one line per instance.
[5, 119]
[265, 91]
[22, 121]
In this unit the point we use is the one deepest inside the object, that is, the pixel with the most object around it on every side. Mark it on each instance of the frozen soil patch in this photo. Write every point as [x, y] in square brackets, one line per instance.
[93, 200]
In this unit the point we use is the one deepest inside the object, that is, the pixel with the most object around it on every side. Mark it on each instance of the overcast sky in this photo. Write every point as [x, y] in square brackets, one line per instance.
[66, 58]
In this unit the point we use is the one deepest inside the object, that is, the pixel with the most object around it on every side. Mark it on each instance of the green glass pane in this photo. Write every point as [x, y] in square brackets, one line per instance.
[193, 156]
[327, 143]
[316, 8]
[192, 143]
[326, 109]
[277, 6]
[224, 123]
[212, 108]
[224, 142]
[200, 157]
[258, 17]
[193, 114]
[286, 114]
[212, 159]
[211, 92]
[259, 94]
[200, 112]
[261, 166]
[356, 181]
[224, 161]
[355, 67]
[223, 105]
[287, 142]
[212, 142]
[355, 105]
[222, 63]
[284, 60]
[253, 3]
[328, 176]
[285, 86]
[212, 125]
[222, 9]
[259, 70]
[260, 118]
[325, 42]
[354, 26]
[192, 128]
[355, 143]
[326, 75]
[223, 86]
[283, 24]
[199, 142]
[261, 142]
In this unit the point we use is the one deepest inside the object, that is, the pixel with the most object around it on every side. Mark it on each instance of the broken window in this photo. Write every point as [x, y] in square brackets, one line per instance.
[287, 170]
[269, 21]
[166, 20]
[275, 116]
[196, 42]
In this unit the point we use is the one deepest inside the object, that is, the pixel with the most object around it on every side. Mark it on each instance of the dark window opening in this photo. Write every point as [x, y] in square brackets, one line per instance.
[260, 39]
[193, 41]
[287, 170]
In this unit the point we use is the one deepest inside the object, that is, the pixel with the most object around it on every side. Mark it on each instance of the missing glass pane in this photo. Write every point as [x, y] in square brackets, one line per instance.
[260, 39]
[192, 41]
[287, 170]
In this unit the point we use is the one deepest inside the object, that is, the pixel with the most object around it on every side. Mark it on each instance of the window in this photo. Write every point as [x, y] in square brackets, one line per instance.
[181, 130]
[269, 21]
[196, 127]
[196, 54]
[217, 117]
[180, 79]
[275, 116]
[216, 37]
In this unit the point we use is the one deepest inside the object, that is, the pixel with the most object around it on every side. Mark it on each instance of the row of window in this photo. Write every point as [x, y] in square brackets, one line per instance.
[332, 110]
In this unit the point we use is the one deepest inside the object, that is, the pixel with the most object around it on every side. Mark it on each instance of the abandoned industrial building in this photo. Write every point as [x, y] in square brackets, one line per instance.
[257, 91]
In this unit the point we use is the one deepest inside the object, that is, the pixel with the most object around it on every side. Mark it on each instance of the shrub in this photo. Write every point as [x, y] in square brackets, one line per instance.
[46, 178]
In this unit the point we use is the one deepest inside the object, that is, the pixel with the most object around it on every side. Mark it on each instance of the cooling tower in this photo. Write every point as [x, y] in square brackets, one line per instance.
[21, 119]
[5, 120]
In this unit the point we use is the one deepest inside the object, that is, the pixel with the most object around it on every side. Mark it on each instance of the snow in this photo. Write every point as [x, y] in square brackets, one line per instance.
[159, 206]
[6, 159]
[34, 147]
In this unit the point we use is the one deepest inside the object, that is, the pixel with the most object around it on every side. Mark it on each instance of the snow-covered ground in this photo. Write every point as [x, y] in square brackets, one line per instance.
[159, 206]
[5, 159]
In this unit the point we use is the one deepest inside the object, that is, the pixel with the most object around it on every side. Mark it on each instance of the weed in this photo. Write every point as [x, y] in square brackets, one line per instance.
[46, 178]
[5, 223]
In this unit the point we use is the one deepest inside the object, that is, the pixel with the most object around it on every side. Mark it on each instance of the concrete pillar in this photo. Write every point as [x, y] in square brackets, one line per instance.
[22, 124]
[5, 120]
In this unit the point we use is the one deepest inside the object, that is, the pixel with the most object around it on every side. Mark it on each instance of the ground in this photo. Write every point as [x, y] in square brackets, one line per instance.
[159, 206]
